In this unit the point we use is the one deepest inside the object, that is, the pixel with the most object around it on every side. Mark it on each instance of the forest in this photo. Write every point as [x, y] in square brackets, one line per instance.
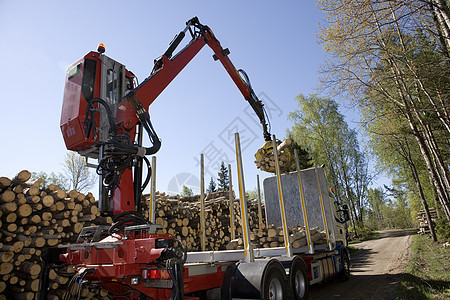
[390, 60]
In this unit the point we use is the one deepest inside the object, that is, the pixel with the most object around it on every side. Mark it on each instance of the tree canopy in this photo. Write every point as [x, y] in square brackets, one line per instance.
[321, 129]
[391, 58]
[76, 174]
[186, 192]
[222, 178]
[211, 187]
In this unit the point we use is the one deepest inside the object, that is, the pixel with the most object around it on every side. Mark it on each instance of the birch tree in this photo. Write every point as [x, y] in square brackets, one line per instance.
[390, 52]
[77, 172]
[322, 130]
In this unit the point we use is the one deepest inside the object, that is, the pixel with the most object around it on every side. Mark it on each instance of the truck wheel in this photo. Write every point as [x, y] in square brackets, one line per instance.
[344, 274]
[273, 285]
[298, 279]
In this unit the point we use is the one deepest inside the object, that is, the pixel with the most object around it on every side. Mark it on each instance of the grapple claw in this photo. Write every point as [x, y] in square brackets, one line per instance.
[265, 159]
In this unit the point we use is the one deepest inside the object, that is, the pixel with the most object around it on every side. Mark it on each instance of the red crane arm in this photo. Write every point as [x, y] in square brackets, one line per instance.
[166, 68]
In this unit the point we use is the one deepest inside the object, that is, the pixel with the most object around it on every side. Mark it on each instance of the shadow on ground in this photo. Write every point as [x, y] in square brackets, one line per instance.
[363, 284]
[386, 287]
[359, 287]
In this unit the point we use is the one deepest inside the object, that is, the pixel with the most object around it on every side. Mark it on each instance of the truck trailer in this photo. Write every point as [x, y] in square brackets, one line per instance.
[249, 273]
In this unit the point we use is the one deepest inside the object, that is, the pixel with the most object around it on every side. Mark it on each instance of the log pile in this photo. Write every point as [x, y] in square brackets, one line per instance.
[35, 218]
[265, 159]
[32, 220]
[272, 236]
[424, 228]
[180, 217]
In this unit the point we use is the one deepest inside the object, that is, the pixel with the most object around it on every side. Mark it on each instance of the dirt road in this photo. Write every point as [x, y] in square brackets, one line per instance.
[376, 269]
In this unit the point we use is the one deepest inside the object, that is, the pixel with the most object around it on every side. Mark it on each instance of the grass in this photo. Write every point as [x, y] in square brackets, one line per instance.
[365, 237]
[427, 273]
[352, 249]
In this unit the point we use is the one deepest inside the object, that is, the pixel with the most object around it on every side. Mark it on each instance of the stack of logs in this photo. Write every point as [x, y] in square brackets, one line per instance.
[272, 236]
[32, 220]
[424, 228]
[180, 217]
[265, 159]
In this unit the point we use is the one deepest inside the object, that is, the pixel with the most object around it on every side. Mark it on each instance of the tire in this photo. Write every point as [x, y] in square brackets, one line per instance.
[325, 271]
[298, 279]
[331, 267]
[273, 284]
[344, 274]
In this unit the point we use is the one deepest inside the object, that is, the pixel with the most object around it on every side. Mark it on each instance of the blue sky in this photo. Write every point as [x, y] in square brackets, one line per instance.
[274, 41]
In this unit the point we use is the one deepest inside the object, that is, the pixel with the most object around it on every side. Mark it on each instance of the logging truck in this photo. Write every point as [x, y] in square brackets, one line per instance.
[104, 117]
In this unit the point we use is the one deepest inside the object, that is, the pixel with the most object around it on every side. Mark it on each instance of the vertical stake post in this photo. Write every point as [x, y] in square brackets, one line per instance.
[287, 244]
[323, 208]
[259, 202]
[231, 198]
[248, 249]
[305, 215]
[202, 202]
[152, 204]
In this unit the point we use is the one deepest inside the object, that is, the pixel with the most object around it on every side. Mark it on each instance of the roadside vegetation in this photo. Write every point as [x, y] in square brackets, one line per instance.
[427, 274]
[365, 234]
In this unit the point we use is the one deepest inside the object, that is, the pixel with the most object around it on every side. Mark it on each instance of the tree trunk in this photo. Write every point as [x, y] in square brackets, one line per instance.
[407, 154]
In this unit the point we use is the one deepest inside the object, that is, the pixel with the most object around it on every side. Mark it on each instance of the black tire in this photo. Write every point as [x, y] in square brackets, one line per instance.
[325, 272]
[298, 279]
[344, 274]
[273, 284]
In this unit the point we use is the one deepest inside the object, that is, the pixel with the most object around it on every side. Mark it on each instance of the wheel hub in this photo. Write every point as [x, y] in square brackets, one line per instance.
[275, 289]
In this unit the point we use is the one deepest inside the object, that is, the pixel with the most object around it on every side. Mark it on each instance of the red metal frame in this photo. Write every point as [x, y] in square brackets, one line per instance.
[116, 265]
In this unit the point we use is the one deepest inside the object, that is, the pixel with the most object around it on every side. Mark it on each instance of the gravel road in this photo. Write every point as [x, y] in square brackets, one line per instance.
[376, 270]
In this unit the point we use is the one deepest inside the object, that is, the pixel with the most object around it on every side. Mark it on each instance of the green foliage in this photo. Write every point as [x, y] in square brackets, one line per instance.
[251, 194]
[364, 233]
[388, 209]
[375, 210]
[442, 230]
[304, 158]
[321, 129]
[397, 210]
[397, 155]
[351, 249]
[52, 178]
[222, 178]
[386, 57]
[186, 192]
[76, 175]
[211, 187]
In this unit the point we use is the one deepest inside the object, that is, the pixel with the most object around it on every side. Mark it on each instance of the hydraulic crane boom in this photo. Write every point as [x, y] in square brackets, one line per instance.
[104, 114]
[166, 68]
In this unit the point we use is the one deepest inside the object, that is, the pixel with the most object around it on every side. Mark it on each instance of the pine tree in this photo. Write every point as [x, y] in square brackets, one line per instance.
[304, 158]
[186, 192]
[223, 178]
[212, 186]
